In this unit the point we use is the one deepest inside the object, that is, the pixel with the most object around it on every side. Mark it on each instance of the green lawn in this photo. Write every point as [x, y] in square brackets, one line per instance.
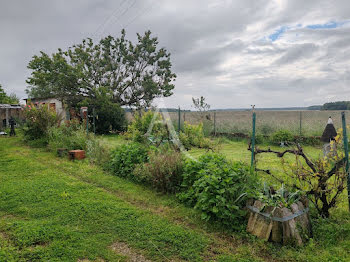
[52, 209]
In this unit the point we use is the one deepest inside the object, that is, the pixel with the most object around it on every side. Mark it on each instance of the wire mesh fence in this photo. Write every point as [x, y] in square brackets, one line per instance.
[298, 123]
[304, 127]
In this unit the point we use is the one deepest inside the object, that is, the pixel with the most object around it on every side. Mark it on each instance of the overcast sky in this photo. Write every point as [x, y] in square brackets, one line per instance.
[235, 53]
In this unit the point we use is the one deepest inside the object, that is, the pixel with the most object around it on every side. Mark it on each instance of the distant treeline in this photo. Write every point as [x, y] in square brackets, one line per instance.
[314, 108]
[340, 105]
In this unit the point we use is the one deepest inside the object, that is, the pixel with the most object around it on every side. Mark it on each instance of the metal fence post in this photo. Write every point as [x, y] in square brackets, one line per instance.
[346, 151]
[214, 123]
[179, 122]
[253, 144]
[300, 122]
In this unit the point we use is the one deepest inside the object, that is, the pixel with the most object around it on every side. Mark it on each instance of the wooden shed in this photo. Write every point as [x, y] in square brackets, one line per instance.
[7, 111]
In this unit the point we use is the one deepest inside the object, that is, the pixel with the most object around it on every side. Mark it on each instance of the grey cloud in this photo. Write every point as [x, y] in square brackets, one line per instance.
[216, 46]
[204, 60]
[297, 52]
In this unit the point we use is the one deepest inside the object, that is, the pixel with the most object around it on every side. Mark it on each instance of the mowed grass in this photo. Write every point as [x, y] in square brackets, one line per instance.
[48, 214]
[52, 209]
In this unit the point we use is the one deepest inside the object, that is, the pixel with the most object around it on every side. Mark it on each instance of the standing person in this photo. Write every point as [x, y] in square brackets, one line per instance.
[329, 135]
[12, 125]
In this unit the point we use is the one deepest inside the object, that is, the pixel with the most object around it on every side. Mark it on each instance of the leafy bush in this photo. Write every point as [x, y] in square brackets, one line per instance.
[125, 157]
[70, 135]
[193, 136]
[163, 171]
[266, 129]
[260, 139]
[160, 133]
[138, 128]
[217, 187]
[97, 153]
[110, 117]
[38, 121]
[282, 136]
[280, 197]
[308, 140]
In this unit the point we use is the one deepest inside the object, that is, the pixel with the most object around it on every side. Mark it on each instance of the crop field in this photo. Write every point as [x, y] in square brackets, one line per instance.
[312, 122]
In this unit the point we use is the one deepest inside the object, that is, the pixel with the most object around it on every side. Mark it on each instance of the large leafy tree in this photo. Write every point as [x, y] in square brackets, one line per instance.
[7, 99]
[133, 74]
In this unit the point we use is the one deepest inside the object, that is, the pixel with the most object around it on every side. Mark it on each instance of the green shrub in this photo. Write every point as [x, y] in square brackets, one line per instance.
[260, 139]
[70, 135]
[97, 153]
[266, 129]
[163, 171]
[282, 136]
[193, 136]
[39, 119]
[110, 117]
[308, 140]
[159, 133]
[208, 127]
[217, 187]
[138, 128]
[125, 157]
[279, 198]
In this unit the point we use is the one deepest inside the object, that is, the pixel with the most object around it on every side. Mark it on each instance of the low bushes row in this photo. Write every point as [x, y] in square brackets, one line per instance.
[212, 184]
[287, 138]
[215, 186]
[276, 138]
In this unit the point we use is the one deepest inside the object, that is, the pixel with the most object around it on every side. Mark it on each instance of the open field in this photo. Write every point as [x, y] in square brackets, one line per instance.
[267, 122]
[52, 209]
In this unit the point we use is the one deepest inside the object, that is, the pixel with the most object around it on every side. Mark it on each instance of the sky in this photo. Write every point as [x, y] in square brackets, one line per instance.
[275, 53]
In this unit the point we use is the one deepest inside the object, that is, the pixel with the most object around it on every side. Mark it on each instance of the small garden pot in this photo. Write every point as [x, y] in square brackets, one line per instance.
[280, 224]
[76, 154]
[61, 152]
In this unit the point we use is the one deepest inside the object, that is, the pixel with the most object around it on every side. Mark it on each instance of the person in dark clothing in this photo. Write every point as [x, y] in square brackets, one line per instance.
[329, 135]
[12, 125]
[329, 132]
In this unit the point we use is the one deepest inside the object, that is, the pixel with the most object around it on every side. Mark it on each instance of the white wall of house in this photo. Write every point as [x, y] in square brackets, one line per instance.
[55, 103]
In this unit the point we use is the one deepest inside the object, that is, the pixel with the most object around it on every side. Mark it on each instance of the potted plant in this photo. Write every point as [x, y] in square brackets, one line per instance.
[280, 216]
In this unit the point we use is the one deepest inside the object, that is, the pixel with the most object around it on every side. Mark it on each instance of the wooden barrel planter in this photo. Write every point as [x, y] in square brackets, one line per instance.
[280, 224]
